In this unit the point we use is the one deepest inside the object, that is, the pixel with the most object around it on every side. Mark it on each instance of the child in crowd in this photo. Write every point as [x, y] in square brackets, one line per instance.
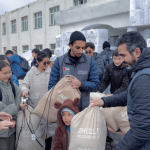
[116, 75]
[14, 78]
[34, 55]
[66, 112]
[10, 102]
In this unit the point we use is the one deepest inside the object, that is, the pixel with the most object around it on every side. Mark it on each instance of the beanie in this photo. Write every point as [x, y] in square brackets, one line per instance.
[77, 36]
[106, 44]
[68, 110]
[8, 52]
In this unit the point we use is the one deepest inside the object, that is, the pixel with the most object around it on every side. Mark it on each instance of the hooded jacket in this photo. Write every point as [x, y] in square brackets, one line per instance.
[36, 84]
[15, 68]
[62, 137]
[137, 99]
[116, 76]
[9, 104]
[99, 64]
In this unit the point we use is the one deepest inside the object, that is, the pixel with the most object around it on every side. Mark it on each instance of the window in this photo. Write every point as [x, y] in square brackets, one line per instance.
[14, 48]
[38, 20]
[52, 11]
[4, 28]
[79, 2]
[13, 26]
[52, 47]
[40, 47]
[25, 23]
[4, 49]
[25, 48]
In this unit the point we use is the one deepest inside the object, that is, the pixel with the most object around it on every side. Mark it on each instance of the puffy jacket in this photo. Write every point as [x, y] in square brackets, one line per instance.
[9, 104]
[137, 99]
[84, 70]
[15, 68]
[118, 78]
[36, 83]
[15, 80]
[99, 64]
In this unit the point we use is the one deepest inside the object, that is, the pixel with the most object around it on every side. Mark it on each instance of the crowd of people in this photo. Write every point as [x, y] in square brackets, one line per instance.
[123, 74]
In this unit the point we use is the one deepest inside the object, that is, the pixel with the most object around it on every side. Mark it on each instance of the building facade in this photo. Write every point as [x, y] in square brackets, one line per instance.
[33, 25]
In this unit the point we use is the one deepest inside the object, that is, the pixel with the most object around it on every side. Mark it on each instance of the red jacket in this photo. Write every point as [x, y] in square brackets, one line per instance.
[61, 139]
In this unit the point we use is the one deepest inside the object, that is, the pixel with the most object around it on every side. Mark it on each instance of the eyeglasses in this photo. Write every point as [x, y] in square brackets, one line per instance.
[86, 52]
[44, 63]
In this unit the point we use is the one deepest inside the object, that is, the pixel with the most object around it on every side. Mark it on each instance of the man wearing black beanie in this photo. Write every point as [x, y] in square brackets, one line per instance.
[78, 64]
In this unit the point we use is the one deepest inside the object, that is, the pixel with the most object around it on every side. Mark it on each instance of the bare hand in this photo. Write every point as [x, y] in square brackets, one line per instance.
[5, 124]
[13, 123]
[5, 116]
[99, 103]
[75, 83]
[22, 106]
[25, 94]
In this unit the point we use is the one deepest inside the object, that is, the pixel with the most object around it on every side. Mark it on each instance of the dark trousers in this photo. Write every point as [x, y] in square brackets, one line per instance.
[8, 143]
[48, 143]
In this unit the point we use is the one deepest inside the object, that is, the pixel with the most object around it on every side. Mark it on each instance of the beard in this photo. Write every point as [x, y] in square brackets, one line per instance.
[133, 61]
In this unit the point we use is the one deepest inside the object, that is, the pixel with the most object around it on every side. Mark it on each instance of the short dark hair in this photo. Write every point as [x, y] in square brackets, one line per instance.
[48, 51]
[4, 57]
[3, 64]
[8, 52]
[35, 50]
[90, 44]
[115, 53]
[41, 55]
[133, 40]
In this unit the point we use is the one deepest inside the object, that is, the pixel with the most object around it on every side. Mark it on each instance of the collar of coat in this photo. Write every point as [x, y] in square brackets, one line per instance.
[36, 71]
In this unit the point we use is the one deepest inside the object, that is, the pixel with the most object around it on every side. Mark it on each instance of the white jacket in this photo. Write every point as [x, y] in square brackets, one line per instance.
[36, 83]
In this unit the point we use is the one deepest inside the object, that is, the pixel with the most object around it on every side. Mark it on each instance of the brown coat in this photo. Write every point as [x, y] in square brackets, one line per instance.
[62, 137]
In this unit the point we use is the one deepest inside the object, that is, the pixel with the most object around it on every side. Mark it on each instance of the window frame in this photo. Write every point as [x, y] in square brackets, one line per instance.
[13, 26]
[25, 46]
[38, 20]
[52, 11]
[52, 48]
[41, 47]
[13, 48]
[25, 23]
[4, 28]
[78, 2]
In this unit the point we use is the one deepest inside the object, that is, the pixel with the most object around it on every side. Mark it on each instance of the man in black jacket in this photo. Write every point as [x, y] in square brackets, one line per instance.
[133, 48]
[115, 75]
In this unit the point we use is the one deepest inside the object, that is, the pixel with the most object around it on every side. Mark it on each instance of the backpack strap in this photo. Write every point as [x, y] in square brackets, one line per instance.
[13, 90]
[0, 95]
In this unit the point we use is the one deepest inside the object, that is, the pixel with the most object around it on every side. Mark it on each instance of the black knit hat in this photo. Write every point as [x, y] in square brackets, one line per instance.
[106, 44]
[77, 36]
[8, 52]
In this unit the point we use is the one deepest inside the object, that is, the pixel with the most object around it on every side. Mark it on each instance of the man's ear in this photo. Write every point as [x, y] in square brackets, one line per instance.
[70, 45]
[137, 52]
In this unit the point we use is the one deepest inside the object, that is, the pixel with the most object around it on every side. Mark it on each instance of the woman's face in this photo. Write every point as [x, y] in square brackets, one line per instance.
[44, 64]
[5, 74]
